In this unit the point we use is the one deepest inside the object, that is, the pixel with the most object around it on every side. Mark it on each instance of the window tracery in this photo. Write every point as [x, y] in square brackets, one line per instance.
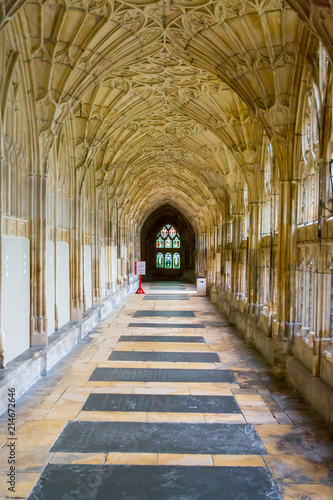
[309, 175]
[167, 238]
[15, 171]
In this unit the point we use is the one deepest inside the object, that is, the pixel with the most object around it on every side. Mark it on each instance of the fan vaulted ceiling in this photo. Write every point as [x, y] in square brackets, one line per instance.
[167, 100]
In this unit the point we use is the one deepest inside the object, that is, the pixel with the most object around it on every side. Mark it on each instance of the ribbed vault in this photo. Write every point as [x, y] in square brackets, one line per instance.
[165, 101]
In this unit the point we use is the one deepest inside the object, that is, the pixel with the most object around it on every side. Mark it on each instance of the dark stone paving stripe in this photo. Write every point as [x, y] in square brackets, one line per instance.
[162, 338]
[216, 324]
[161, 375]
[164, 314]
[179, 287]
[161, 403]
[151, 437]
[167, 283]
[173, 357]
[151, 482]
[166, 325]
[165, 297]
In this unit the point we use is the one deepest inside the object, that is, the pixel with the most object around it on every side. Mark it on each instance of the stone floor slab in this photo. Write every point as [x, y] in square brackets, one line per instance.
[161, 403]
[167, 325]
[174, 357]
[151, 482]
[160, 375]
[150, 437]
[167, 283]
[162, 338]
[161, 287]
[164, 314]
[165, 297]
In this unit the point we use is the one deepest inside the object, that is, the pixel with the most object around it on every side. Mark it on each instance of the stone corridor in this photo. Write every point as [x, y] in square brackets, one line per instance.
[165, 401]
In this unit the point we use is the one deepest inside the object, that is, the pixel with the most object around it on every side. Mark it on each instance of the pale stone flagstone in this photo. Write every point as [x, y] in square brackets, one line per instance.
[254, 431]
[193, 135]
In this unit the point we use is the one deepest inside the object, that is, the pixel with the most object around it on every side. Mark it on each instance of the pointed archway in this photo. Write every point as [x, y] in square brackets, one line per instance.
[168, 245]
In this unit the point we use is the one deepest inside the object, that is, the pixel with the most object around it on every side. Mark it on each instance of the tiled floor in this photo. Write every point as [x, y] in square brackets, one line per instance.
[196, 417]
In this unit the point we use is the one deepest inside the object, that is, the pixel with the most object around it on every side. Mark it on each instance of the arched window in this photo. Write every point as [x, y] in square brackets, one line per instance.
[167, 239]
[160, 260]
[168, 261]
[176, 260]
[308, 166]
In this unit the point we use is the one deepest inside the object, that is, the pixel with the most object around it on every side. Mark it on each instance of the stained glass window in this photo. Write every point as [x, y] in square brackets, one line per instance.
[176, 261]
[168, 261]
[160, 260]
[168, 242]
[167, 238]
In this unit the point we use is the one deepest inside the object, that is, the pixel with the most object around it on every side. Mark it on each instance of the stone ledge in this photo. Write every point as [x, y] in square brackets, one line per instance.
[254, 329]
[314, 390]
[23, 371]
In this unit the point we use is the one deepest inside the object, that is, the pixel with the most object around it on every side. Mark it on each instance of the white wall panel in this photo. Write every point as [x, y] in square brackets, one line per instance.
[103, 272]
[63, 283]
[50, 290]
[16, 295]
[114, 263]
[87, 276]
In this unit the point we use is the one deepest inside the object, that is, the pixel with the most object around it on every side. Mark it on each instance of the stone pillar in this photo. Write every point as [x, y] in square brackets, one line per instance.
[218, 255]
[224, 229]
[108, 244]
[323, 282]
[76, 277]
[252, 270]
[235, 268]
[55, 241]
[203, 254]
[285, 274]
[131, 252]
[38, 319]
[96, 257]
[108, 247]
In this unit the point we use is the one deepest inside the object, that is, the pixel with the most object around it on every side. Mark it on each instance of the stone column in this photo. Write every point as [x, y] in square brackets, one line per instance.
[203, 254]
[55, 243]
[218, 250]
[214, 265]
[224, 229]
[323, 282]
[76, 278]
[96, 257]
[83, 226]
[252, 270]
[131, 252]
[108, 247]
[285, 274]
[235, 268]
[38, 319]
